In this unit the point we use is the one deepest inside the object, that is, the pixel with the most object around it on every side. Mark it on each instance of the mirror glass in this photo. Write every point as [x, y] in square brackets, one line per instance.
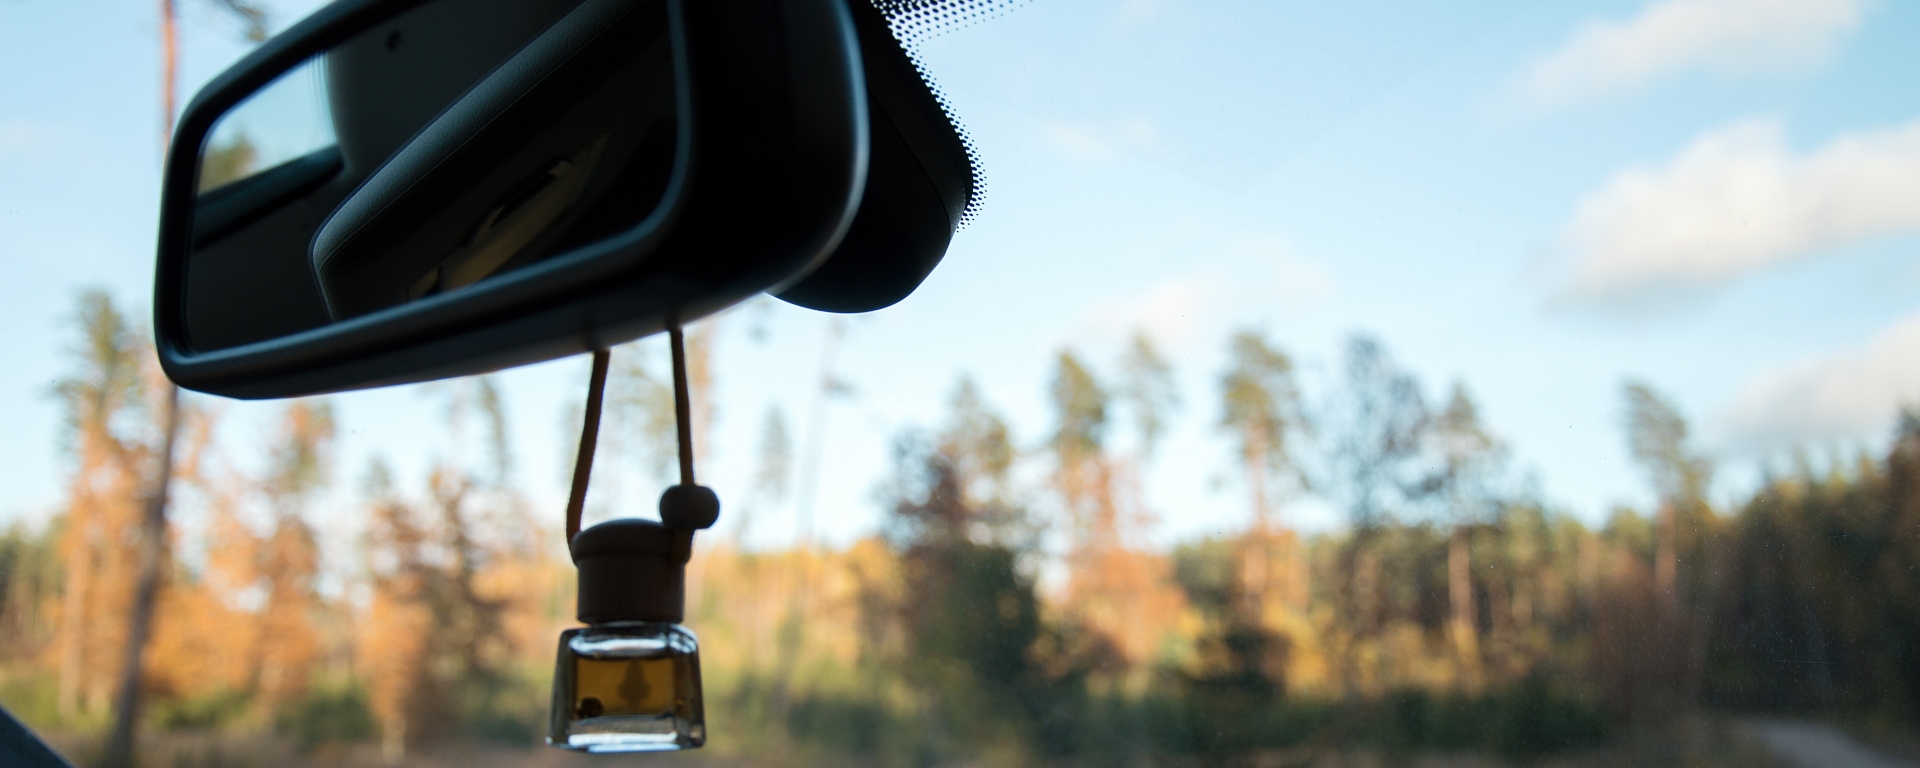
[286, 121]
[453, 144]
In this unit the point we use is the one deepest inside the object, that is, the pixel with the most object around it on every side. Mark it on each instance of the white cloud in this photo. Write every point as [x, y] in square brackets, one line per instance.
[1135, 13]
[1736, 201]
[18, 134]
[1179, 311]
[1289, 279]
[1851, 394]
[1667, 37]
[1100, 143]
[1171, 312]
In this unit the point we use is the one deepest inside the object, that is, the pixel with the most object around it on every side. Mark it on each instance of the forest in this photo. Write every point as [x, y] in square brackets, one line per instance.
[1011, 611]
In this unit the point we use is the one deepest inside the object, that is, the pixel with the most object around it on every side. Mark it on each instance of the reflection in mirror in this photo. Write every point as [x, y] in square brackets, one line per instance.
[533, 161]
[277, 144]
[282, 122]
[458, 141]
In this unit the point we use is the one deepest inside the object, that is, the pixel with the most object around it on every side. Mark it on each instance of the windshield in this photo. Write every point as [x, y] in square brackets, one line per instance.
[1360, 383]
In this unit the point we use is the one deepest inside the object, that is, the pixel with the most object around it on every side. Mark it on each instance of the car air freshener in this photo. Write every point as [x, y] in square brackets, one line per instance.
[630, 680]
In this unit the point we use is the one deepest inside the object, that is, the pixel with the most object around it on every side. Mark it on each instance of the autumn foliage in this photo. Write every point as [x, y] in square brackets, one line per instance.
[1014, 609]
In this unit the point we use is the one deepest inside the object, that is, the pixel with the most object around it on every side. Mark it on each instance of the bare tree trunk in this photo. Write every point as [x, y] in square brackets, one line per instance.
[788, 639]
[1364, 592]
[1256, 458]
[73, 624]
[1501, 637]
[169, 69]
[790, 634]
[816, 438]
[1300, 573]
[393, 740]
[1523, 588]
[1705, 587]
[153, 546]
[1255, 571]
[154, 523]
[1466, 640]
[1666, 563]
[1813, 633]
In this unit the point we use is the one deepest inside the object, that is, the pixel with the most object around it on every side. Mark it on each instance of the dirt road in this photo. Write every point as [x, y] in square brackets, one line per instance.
[1818, 745]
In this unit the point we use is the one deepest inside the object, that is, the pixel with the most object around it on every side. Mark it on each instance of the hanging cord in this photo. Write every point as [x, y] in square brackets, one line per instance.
[589, 437]
[684, 508]
[682, 404]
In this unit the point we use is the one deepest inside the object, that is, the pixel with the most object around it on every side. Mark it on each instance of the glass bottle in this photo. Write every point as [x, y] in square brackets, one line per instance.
[630, 680]
[628, 687]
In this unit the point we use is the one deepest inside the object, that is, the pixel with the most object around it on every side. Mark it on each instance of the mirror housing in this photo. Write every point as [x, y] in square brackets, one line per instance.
[922, 183]
[764, 167]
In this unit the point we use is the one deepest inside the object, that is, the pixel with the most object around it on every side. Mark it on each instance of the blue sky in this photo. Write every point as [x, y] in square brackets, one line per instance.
[1536, 199]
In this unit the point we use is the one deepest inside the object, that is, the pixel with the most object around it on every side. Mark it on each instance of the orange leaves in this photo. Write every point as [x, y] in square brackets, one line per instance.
[1129, 596]
[391, 653]
[201, 644]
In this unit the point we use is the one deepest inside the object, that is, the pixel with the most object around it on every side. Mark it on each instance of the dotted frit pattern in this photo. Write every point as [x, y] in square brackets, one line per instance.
[915, 20]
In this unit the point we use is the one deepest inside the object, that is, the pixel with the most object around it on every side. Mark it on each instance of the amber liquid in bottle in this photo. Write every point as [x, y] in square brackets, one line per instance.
[628, 687]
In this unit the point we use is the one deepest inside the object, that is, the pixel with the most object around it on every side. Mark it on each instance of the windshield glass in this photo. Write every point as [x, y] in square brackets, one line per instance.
[1361, 383]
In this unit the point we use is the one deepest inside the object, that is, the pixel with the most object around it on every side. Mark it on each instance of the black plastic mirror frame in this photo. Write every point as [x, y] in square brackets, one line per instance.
[572, 303]
[217, 371]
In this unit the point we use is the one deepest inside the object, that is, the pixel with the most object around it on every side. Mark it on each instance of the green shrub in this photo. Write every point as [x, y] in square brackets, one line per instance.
[328, 716]
[199, 713]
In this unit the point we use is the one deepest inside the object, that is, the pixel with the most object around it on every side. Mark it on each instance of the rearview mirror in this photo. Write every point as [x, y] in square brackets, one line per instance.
[403, 190]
